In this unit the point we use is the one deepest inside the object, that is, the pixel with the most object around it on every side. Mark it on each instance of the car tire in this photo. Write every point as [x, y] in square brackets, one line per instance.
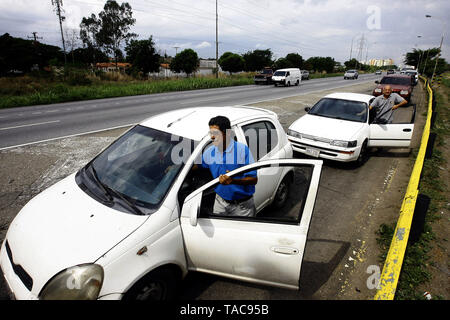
[297, 83]
[156, 286]
[282, 194]
[363, 155]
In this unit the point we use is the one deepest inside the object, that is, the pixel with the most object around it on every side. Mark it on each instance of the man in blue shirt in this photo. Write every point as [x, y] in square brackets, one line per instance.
[234, 196]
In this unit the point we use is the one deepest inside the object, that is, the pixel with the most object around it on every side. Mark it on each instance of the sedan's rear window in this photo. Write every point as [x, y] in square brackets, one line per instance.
[396, 80]
[340, 109]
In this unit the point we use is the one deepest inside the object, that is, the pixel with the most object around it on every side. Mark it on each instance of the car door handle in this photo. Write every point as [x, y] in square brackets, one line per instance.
[284, 250]
[407, 130]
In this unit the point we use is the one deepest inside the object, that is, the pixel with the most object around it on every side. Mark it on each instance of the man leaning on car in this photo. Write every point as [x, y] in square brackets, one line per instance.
[385, 105]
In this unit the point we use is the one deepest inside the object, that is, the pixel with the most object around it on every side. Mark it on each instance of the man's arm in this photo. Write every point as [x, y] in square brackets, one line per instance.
[402, 103]
[246, 181]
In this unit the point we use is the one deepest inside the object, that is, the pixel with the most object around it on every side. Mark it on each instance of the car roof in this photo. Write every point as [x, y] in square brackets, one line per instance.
[350, 96]
[192, 123]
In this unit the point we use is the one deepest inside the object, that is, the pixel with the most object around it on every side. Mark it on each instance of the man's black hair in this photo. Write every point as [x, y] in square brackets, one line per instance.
[222, 122]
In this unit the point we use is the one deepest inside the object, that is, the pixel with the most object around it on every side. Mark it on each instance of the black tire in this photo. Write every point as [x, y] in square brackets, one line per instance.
[297, 83]
[156, 286]
[363, 155]
[282, 194]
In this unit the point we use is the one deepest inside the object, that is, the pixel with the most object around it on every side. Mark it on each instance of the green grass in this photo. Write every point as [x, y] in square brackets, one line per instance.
[34, 92]
[417, 262]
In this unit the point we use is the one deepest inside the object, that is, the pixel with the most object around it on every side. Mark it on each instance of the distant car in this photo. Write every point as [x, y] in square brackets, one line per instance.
[338, 127]
[400, 83]
[351, 74]
[378, 72]
[414, 74]
[287, 77]
[305, 74]
[263, 77]
[391, 71]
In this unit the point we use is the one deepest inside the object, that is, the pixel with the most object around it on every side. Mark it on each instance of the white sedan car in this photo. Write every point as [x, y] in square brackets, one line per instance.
[137, 217]
[339, 127]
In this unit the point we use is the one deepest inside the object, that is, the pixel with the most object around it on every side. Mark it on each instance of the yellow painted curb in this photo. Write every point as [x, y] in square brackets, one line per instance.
[393, 263]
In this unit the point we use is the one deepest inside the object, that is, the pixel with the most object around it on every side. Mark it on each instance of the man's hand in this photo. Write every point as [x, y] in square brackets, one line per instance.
[224, 179]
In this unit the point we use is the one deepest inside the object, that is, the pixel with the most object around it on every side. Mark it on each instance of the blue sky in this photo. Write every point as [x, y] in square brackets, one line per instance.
[308, 27]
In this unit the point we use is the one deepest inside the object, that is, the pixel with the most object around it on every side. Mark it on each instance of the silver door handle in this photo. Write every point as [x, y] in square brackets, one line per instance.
[285, 250]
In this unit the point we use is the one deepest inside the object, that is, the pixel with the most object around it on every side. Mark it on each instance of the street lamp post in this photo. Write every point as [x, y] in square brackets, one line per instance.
[440, 46]
[420, 57]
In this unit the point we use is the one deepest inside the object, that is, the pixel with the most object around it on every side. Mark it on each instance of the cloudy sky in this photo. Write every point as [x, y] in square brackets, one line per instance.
[309, 27]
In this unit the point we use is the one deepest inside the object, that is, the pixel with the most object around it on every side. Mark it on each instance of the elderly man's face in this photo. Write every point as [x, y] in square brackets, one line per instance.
[387, 91]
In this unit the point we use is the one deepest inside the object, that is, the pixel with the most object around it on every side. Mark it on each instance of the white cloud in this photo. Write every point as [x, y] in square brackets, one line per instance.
[204, 44]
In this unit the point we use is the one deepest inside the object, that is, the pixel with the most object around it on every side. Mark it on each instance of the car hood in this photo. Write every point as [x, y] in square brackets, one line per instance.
[326, 127]
[63, 227]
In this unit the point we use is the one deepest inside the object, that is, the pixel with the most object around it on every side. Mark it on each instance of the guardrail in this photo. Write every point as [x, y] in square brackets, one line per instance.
[394, 260]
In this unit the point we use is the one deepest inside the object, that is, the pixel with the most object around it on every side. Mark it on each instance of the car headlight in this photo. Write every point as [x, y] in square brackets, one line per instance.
[294, 133]
[404, 92]
[344, 144]
[82, 282]
[377, 90]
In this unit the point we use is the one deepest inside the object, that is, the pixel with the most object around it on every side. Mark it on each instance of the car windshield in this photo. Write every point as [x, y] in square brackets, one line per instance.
[396, 80]
[279, 73]
[350, 71]
[140, 166]
[340, 109]
[266, 71]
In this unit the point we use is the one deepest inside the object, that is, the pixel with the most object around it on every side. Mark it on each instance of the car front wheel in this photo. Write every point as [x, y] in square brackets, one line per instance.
[363, 155]
[156, 286]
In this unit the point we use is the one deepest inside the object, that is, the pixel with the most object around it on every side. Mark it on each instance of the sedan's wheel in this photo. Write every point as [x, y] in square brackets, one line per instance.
[156, 286]
[282, 193]
[363, 155]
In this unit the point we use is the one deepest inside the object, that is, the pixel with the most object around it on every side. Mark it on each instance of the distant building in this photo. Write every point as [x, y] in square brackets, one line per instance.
[206, 67]
[111, 66]
[379, 62]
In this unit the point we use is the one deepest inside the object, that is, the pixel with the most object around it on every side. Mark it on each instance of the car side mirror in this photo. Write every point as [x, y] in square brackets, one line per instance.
[307, 109]
[377, 82]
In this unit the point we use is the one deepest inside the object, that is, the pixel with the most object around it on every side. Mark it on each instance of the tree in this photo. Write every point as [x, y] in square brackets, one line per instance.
[20, 54]
[351, 64]
[143, 56]
[320, 64]
[115, 24]
[89, 28]
[295, 59]
[231, 62]
[258, 59]
[283, 63]
[186, 61]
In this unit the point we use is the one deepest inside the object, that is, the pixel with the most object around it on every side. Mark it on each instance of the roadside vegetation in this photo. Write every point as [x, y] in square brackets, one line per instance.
[417, 268]
[29, 90]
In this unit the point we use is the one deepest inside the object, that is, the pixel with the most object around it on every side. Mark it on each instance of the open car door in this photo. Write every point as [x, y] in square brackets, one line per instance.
[395, 135]
[267, 248]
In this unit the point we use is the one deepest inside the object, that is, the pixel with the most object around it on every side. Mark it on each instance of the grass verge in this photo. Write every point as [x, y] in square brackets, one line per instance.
[33, 92]
[416, 268]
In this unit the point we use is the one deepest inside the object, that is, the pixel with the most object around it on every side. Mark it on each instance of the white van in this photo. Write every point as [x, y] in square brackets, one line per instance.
[287, 77]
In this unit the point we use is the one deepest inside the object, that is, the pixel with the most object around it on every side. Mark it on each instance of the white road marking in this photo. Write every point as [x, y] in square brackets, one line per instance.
[29, 125]
[68, 136]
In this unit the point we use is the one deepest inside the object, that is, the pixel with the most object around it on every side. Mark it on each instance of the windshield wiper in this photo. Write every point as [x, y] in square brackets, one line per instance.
[124, 199]
[100, 184]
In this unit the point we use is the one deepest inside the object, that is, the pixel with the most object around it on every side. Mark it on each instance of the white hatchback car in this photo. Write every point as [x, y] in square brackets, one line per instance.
[339, 127]
[126, 226]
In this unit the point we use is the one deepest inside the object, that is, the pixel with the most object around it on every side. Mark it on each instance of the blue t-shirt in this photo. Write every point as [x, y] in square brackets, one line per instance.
[235, 156]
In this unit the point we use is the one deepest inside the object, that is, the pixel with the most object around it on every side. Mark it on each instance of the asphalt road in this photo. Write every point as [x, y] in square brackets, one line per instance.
[24, 125]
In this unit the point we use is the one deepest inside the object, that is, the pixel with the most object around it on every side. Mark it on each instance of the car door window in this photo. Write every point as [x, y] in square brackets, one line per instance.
[214, 206]
[261, 138]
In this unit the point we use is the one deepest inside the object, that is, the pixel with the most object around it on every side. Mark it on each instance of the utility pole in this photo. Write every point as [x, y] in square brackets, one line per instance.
[58, 4]
[35, 37]
[360, 50]
[176, 50]
[217, 43]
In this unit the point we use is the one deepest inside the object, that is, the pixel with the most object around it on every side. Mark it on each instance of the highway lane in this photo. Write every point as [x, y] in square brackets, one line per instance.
[25, 125]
